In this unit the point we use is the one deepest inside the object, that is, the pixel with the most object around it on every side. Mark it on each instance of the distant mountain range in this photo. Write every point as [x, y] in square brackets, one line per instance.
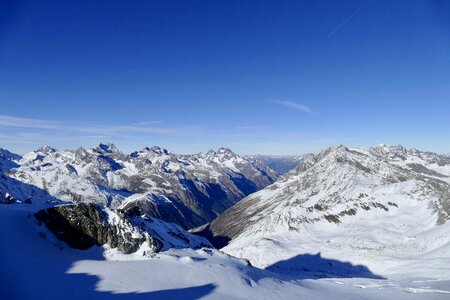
[189, 190]
[280, 164]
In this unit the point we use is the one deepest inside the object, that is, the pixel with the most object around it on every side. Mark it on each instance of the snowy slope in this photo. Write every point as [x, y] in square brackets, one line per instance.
[186, 189]
[36, 266]
[386, 208]
[8, 159]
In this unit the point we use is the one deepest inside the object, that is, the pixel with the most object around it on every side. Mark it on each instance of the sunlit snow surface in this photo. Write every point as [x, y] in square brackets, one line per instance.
[33, 267]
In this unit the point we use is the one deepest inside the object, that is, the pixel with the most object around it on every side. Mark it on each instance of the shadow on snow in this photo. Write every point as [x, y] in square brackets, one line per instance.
[34, 276]
[309, 266]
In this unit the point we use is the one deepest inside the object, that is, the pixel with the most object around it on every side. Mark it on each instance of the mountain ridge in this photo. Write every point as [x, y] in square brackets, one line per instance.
[189, 190]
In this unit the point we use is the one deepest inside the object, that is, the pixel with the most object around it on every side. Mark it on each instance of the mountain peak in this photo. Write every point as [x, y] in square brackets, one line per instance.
[384, 150]
[211, 152]
[223, 150]
[106, 148]
[46, 150]
[149, 151]
[158, 150]
[389, 148]
[339, 147]
[334, 150]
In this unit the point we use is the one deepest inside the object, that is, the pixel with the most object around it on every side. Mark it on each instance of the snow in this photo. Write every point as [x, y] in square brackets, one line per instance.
[38, 268]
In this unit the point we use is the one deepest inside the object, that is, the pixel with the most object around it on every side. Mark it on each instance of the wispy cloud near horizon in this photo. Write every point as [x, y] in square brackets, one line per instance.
[296, 106]
[147, 123]
[96, 128]
[28, 123]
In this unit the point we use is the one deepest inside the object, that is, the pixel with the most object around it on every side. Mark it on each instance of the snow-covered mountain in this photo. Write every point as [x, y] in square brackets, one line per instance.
[189, 190]
[385, 207]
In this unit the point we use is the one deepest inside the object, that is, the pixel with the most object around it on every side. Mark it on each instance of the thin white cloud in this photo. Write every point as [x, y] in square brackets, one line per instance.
[14, 138]
[146, 123]
[296, 106]
[96, 129]
[27, 123]
[252, 128]
[129, 129]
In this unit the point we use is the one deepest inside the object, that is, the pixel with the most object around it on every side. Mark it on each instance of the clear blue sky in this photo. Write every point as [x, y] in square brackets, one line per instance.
[271, 77]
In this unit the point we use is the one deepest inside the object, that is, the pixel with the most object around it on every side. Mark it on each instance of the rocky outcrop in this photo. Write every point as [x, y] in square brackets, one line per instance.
[6, 198]
[83, 226]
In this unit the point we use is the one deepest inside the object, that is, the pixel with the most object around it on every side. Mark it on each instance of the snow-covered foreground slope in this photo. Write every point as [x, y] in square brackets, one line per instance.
[386, 208]
[33, 267]
[189, 190]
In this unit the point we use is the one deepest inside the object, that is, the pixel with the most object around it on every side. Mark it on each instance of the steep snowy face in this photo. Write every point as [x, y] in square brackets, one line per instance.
[8, 159]
[342, 200]
[186, 189]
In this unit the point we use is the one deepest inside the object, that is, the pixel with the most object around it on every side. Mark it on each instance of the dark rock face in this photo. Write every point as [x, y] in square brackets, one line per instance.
[231, 223]
[85, 225]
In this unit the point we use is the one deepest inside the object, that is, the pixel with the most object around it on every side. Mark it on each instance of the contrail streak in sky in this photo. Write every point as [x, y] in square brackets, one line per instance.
[348, 19]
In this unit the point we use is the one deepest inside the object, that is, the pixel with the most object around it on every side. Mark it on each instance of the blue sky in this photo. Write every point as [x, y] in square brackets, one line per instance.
[270, 77]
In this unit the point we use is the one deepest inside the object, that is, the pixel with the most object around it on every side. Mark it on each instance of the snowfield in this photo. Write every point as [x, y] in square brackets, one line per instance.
[37, 266]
